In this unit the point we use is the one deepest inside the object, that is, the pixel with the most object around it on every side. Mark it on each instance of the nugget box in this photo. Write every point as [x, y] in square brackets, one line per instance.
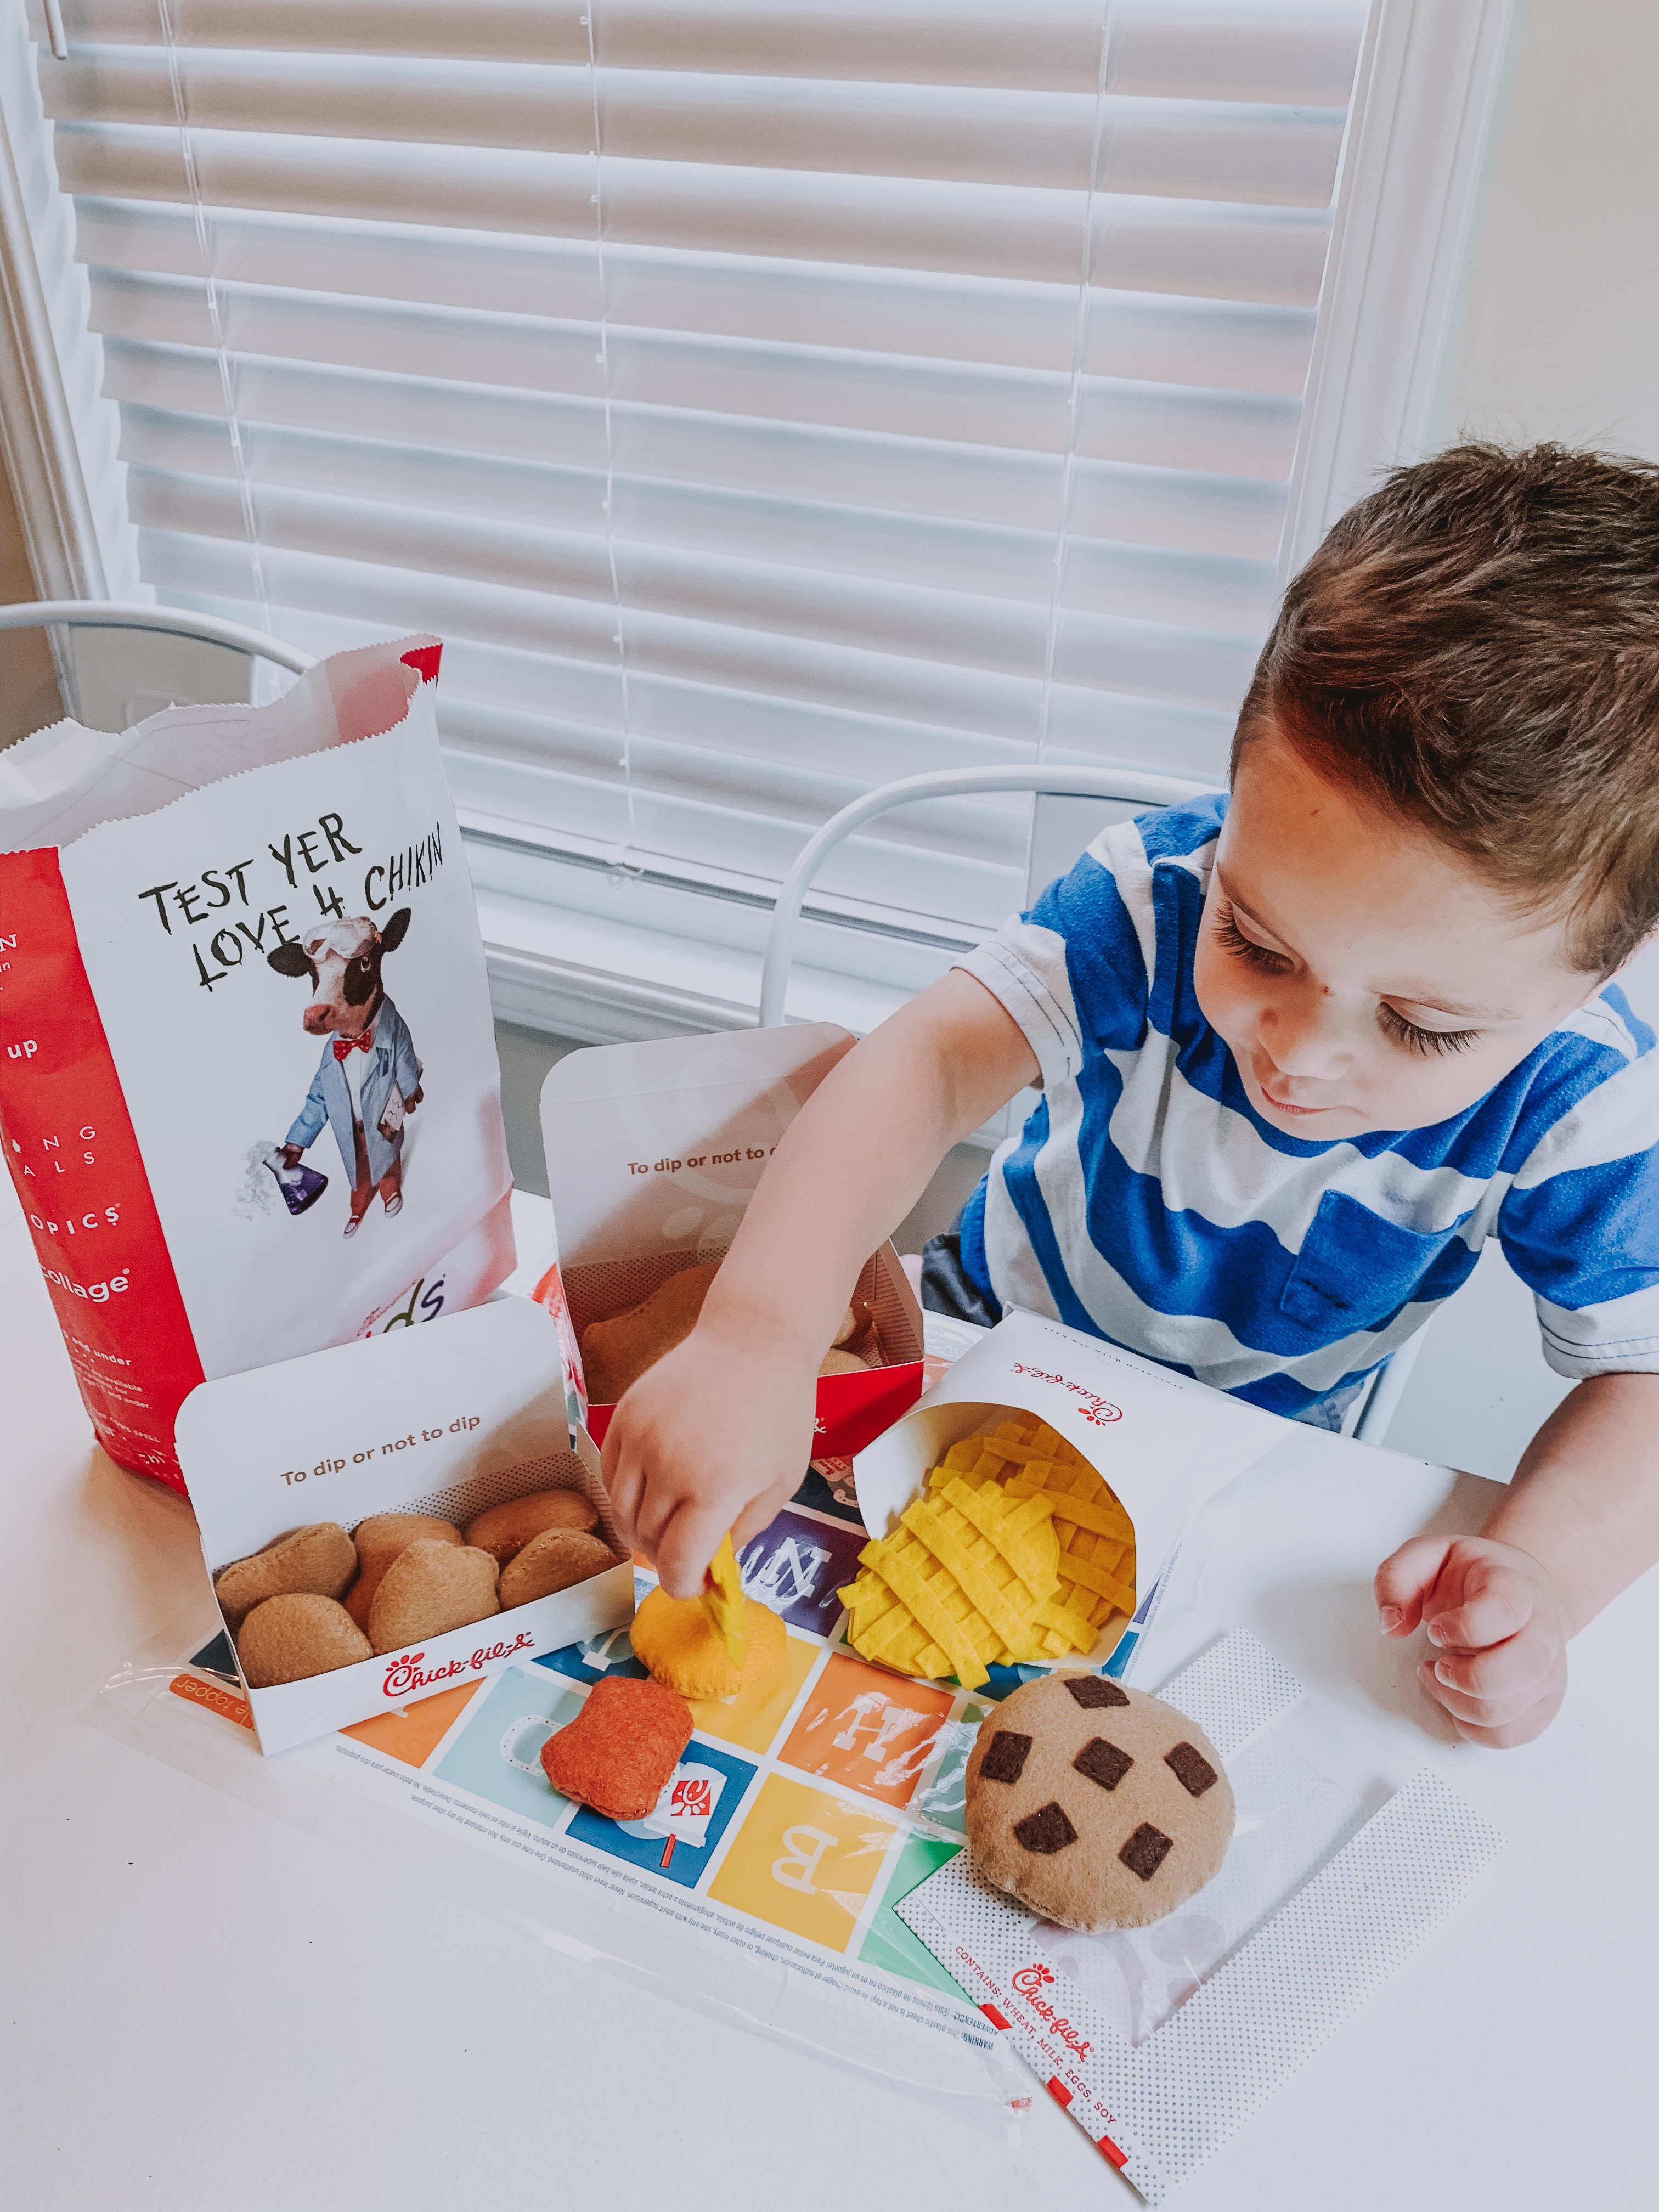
[1161, 1443]
[446, 1421]
[653, 1151]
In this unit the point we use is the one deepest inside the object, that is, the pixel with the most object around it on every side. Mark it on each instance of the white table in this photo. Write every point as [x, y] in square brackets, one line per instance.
[209, 2011]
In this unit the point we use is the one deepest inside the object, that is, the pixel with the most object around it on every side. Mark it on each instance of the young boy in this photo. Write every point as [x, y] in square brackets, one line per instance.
[1301, 1050]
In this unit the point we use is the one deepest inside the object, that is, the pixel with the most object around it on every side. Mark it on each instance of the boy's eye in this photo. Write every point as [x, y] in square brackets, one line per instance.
[1228, 933]
[1394, 1026]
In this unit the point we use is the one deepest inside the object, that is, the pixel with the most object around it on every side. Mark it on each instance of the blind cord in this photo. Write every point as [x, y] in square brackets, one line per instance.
[620, 868]
[215, 320]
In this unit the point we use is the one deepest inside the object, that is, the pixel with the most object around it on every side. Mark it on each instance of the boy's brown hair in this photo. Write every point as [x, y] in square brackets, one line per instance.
[1475, 646]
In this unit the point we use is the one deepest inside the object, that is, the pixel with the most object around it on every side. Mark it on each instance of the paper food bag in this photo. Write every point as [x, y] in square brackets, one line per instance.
[249, 1094]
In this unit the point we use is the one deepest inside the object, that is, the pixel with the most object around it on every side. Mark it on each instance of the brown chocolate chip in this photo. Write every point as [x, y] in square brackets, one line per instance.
[1145, 1851]
[1047, 1830]
[1103, 1762]
[1192, 1770]
[1092, 1689]
[1005, 1757]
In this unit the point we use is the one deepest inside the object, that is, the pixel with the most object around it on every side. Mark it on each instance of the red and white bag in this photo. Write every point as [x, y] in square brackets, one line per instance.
[249, 1094]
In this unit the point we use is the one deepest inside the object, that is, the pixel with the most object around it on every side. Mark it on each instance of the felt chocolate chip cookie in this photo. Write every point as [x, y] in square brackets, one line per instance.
[294, 1635]
[553, 1561]
[505, 1529]
[621, 1748]
[429, 1589]
[379, 1540]
[320, 1559]
[1096, 1806]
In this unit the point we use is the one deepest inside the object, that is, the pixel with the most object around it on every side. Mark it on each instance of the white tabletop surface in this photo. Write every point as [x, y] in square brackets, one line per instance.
[208, 2010]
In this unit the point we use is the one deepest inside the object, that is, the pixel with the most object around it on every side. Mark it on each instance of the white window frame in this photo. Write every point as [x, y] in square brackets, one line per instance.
[1428, 82]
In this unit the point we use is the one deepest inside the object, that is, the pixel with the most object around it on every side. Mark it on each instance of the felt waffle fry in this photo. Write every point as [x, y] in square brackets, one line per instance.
[957, 1586]
[1097, 1551]
[722, 1599]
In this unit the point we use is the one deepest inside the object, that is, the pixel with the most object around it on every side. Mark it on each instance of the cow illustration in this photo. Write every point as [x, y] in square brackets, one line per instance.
[369, 1077]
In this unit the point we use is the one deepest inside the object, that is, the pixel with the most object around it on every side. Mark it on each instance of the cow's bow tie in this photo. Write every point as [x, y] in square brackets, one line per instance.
[344, 1047]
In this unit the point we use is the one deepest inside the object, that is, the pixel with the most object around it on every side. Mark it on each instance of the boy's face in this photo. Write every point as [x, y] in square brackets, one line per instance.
[1362, 975]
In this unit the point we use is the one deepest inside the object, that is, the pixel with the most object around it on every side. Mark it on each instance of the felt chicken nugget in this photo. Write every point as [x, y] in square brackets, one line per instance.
[429, 1589]
[618, 1352]
[289, 1638]
[318, 1560]
[956, 1588]
[675, 1640]
[379, 1540]
[836, 1362]
[621, 1748]
[553, 1561]
[505, 1529]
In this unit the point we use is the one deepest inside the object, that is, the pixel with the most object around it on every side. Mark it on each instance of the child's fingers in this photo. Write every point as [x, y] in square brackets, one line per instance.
[1510, 1674]
[762, 1511]
[1405, 1579]
[685, 1544]
[1499, 1723]
[1496, 1603]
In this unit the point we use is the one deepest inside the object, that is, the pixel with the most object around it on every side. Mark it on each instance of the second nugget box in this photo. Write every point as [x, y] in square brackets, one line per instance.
[445, 1422]
[653, 1151]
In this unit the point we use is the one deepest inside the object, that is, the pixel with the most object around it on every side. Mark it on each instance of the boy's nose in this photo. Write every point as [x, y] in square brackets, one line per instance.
[1305, 1041]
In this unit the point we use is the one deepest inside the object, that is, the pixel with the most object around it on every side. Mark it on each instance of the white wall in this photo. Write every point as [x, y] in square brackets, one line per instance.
[1555, 334]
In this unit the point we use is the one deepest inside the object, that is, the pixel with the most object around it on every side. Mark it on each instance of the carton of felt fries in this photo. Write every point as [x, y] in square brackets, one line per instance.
[653, 1151]
[1025, 1512]
[444, 1422]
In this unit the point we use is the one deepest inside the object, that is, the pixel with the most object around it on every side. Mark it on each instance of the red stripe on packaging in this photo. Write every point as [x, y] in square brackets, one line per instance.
[424, 660]
[1058, 2090]
[74, 1155]
[1118, 2158]
[994, 2017]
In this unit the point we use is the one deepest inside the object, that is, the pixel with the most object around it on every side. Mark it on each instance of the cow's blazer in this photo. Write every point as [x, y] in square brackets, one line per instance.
[390, 1060]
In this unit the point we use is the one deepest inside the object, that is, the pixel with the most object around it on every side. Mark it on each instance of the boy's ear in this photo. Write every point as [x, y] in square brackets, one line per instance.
[395, 931]
[291, 960]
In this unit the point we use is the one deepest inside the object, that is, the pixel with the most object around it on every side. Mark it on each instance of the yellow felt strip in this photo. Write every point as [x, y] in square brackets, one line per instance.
[1089, 1576]
[989, 1515]
[936, 1618]
[931, 1524]
[1075, 1627]
[1082, 1513]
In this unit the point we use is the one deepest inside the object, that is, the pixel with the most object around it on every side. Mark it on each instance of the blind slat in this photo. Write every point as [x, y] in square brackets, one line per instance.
[1177, 510]
[1244, 346]
[1172, 148]
[1195, 247]
[1300, 54]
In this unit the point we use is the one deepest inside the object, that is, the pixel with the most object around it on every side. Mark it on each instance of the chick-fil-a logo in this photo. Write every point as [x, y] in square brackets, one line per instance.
[1094, 1408]
[1030, 1981]
[404, 1677]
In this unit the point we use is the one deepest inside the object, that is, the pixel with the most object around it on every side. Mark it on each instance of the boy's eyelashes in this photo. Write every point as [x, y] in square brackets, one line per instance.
[1392, 1023]
[1228, 933]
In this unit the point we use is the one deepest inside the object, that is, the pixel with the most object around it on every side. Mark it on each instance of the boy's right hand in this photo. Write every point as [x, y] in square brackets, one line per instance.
[716, 1435]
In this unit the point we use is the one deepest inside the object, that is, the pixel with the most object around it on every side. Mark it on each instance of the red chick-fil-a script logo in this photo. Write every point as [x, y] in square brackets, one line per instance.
[1030, 1981]
[1094, 1407]
[404, 1677]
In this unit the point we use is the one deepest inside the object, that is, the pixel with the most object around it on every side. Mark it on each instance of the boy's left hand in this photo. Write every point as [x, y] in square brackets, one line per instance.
[1501, 1626]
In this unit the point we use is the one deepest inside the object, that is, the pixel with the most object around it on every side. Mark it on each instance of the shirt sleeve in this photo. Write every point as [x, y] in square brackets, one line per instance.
[1580, 1226]
[1073, 971]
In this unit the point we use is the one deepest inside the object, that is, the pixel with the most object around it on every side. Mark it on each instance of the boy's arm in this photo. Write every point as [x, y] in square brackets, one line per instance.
[717, 1435]
[1579, 1521]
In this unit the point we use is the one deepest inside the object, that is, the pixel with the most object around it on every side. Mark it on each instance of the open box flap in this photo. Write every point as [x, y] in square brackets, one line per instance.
[1163, 1443]
[656, 1148]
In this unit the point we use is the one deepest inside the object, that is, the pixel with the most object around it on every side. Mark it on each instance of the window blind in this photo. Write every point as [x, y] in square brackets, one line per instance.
[764, 399]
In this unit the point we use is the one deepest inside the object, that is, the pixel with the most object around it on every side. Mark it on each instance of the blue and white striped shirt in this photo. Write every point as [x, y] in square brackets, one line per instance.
[1147, 1202]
